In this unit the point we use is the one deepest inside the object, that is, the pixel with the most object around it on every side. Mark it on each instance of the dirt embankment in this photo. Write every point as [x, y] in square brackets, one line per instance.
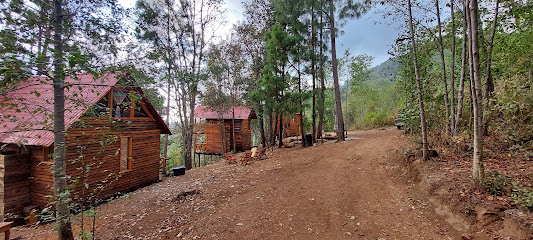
[482, 210]
[356, 189]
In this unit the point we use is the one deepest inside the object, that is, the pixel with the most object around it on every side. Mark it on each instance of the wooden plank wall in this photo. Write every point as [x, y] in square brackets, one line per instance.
[2, 188]
[16, 184]
[214, 141]
[293, 124]
[246, 134]
[85, 149]
[42, 179]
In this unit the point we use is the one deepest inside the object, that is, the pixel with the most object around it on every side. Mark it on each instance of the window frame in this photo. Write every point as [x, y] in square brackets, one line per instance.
[48, 154]
[238, 122]
[129, 163]
[110, 104]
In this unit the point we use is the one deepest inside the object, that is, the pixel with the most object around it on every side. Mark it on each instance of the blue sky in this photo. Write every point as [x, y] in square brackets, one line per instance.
[371, 34]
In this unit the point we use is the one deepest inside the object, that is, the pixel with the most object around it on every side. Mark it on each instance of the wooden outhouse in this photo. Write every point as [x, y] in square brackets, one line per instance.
[217, 131]
[112, 140]
[291, 125]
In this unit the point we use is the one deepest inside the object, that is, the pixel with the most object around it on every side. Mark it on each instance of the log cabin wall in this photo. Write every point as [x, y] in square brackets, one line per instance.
[2, 188]
[214, 140]
[42, 179]
[95, 143]
[246, 134]
[14, 185]
[292, 126]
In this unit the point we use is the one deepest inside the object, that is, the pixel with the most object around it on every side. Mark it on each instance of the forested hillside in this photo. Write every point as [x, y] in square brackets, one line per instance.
[387, 70]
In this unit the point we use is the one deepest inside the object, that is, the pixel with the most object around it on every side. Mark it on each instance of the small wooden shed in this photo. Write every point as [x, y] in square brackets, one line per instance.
[112, 140]
[291, 125]
[217, 130]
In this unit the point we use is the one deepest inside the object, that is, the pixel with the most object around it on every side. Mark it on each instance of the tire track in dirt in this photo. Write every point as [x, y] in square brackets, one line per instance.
[331, 191]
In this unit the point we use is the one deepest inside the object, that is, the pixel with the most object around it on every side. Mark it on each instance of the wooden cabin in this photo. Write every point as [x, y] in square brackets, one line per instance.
[214, 130]
[291, 125]
[112, 129]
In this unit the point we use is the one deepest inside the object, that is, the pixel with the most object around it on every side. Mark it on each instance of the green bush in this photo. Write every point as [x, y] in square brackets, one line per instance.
[376, 119]
[495, 183]
[522, 196]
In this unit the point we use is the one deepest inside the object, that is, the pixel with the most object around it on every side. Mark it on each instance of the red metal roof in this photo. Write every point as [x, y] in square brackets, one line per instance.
[210, 113]
[26, 113]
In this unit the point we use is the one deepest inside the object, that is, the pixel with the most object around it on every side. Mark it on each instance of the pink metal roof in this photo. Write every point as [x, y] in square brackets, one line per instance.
[210, 113]
[26, 112]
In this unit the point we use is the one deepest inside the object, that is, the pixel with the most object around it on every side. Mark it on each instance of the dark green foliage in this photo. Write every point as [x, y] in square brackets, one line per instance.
[275, 88]
[371, 99]
[512, 103]
[496, 183]
[175, 150]
[522, 196]
[91, 33]
[387, 70]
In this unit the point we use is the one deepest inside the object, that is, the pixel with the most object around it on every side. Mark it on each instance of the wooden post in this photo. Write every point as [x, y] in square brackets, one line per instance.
[2, 187]
[5, 227]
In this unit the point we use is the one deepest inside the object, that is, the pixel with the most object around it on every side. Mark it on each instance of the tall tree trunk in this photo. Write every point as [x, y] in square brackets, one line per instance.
[274, 121]
[470, 67]
[489, 84]
[169, 69]
[262, 126]
[313, 72]
[443, 63]
[340, 119]
[187, 148]
[222, 130]
[302, 128]
[322, 97]
[280, 136]
[471, 89]
[190, 127]
[460, 93]
[477, 169]
[234, 141]
[418, 85]
[167, 121]
[60, 166]
[452, 72]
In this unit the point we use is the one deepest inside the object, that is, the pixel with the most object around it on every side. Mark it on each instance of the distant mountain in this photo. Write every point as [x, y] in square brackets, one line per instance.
[387, 70]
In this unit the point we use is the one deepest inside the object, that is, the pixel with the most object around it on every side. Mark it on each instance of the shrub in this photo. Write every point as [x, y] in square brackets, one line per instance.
[522, 196]
[495, 183]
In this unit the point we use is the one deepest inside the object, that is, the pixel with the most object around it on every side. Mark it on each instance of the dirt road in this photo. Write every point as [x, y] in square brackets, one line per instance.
[349, 190]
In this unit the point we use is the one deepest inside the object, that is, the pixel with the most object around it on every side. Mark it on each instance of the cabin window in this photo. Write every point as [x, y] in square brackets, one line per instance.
[125, 153]
[100, 109]
[237, 125]
[48, 153]
[121, 104]
[139, 110]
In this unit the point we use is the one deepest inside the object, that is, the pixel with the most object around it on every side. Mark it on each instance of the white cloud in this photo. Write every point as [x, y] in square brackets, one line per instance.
[127, 3]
